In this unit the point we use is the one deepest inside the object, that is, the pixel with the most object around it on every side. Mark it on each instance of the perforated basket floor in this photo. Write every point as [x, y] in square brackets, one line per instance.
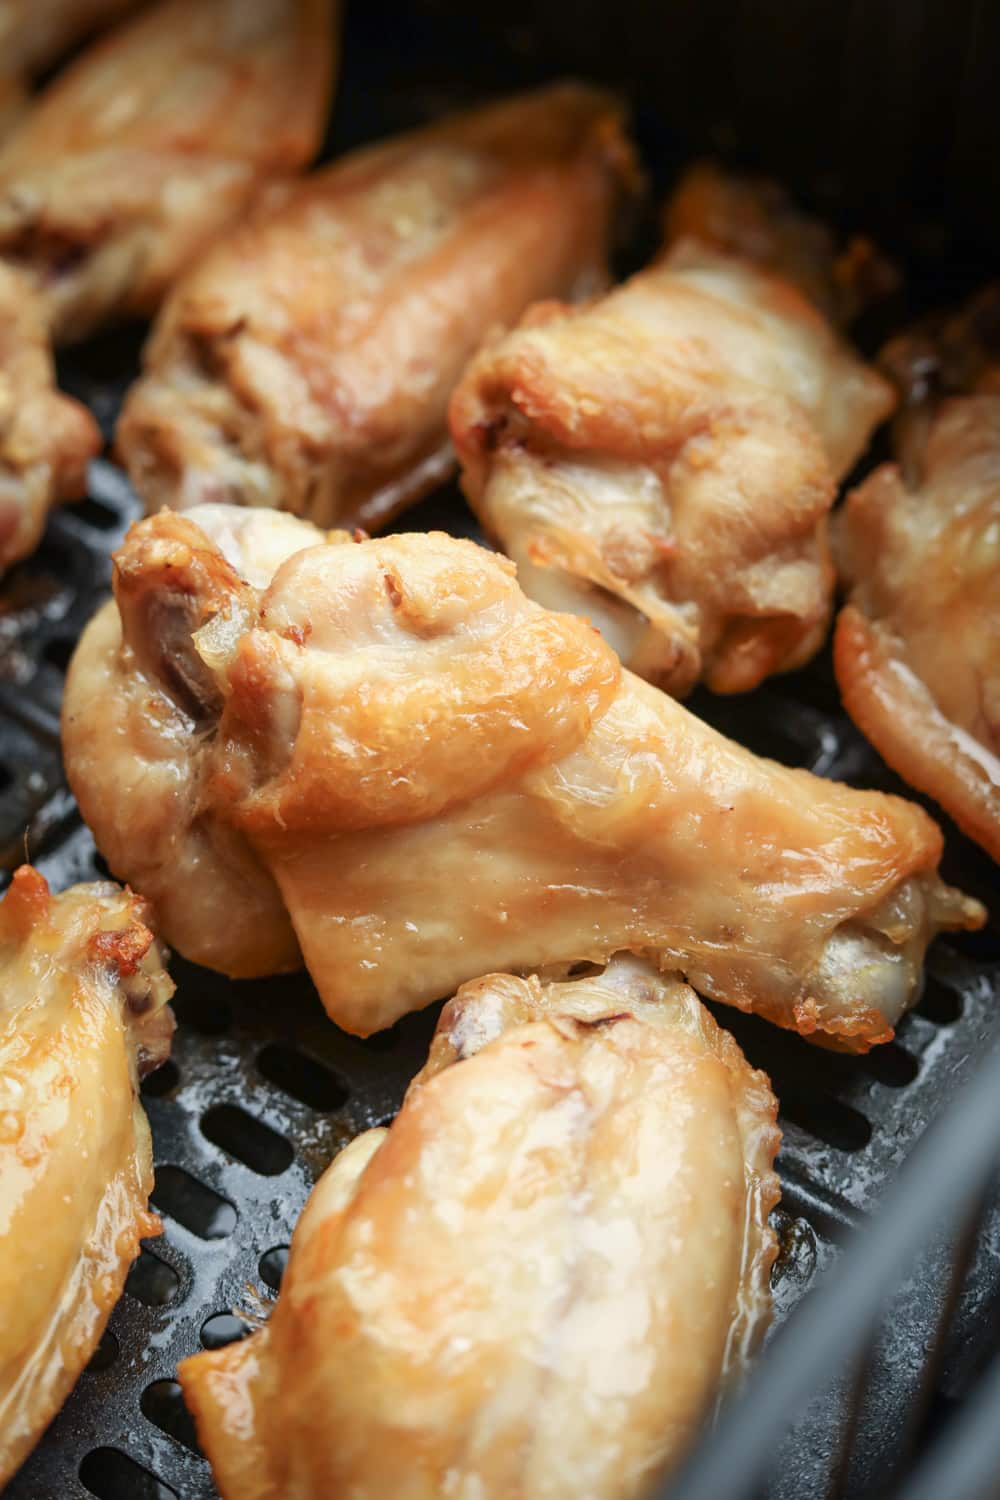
[262, 1089]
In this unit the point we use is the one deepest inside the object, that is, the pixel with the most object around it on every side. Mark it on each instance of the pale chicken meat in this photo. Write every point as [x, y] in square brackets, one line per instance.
[83, 1013]
[306, 363]
[392, 753]
[46, 438]
[155, 139]
[532, 1283]
[663, 461]
[917, 647]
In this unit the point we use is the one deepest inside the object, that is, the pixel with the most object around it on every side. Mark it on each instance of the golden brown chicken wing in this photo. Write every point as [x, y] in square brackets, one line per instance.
[82, 1013]
[154, 140]
[533, 1282]
[46, 439]
[917, 648]
[307, 362]
[35, 33]
[755, 219]
[442, 779]
[663, 459]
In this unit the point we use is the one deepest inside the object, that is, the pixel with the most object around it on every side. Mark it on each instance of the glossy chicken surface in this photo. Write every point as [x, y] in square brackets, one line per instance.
[155, 139]
[662, 460]
[307, 362]
[917, 648]
[443, 779]
[83, 1012]
[46, 438]
[532, 1284]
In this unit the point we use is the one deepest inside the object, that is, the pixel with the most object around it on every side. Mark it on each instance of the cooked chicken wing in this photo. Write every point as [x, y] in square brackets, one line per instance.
[83, 1013]
[663, 459]
[917, 648]
[35, 33]
[154, 140]
[307, 362]
[755, 219]
[443, 779]
[46, 439]
[533, 1282]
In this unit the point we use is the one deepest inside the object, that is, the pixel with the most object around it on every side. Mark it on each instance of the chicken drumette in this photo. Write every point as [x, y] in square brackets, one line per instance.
[534, 1281]
[83, 1012]
[307, 361]
[155, 139]
[392, 754]
[663, 459]
[917, 647]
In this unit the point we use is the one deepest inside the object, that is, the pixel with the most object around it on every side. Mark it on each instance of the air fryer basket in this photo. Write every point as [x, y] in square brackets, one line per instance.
[261, 1089]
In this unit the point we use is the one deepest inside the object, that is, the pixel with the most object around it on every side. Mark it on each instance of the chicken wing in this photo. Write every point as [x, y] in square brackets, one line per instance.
[663, 459]
[46, 439]
[83, 1013]
[441, 779]
[533, 1282]
[307, 362]
[755, 219]
[917, 648]
[154, 140]
[35, 33]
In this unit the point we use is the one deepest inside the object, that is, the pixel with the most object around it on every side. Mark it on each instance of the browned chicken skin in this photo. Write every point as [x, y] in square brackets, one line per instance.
[135, 157]
[663, 460]
[46, 439]
[306, 363]
[83, 1013]
[754, 219]
[442, 779]
[36, 33]
[917, 648]
[533, 1282]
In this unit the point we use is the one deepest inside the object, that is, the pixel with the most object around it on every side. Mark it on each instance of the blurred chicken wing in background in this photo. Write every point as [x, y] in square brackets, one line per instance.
[46, 438]
[306, 363]
[152, 141]
[917, 647]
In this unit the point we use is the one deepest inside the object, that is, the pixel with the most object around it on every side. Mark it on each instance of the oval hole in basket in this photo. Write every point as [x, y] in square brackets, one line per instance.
[105, 1354]
[161, 1081]
[301, 1076]
[829, 1119]
[939, 1002]
[162, 1403]
[223, 1328]
[96, 513]
[112, 1475]
[272, 1266]
[199, 1208]
[252, 1142]
[151, 1281]
[892, 1065]
[59, 650]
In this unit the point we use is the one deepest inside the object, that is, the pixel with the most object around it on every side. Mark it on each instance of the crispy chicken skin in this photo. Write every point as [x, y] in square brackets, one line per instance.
[35, 33]
[533, 1282]
[306, 363]
[755, 219]
[83, 1012]
[663, 460]
[46, 439]
[160, 135]
[917, 647]
[443, 779]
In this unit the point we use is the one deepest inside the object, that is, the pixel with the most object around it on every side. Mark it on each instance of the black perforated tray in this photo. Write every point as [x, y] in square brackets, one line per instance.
[262, 1089]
